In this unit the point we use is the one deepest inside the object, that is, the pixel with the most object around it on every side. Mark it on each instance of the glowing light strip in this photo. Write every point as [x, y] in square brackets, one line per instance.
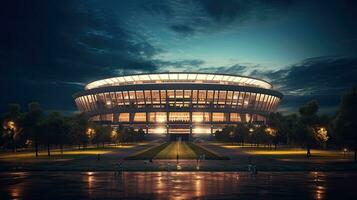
[180, 78]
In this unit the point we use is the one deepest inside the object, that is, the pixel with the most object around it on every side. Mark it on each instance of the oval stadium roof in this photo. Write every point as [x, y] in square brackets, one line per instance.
[180, 77]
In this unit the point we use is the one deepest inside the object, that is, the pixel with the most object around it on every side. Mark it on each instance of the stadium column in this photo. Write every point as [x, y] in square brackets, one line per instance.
[167, 121]
[147, 121]
[227, 117]
[115, 117]
[211, 120]
[190, 122]
[131, 117]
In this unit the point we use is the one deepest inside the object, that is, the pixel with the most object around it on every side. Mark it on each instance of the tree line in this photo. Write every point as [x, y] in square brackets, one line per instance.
[306, 129]
[35, 129]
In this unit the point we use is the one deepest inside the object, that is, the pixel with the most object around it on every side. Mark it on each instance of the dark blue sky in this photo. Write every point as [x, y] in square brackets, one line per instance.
[50, 49]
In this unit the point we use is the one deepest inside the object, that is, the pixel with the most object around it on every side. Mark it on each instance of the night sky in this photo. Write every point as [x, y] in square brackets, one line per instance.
[50, 49]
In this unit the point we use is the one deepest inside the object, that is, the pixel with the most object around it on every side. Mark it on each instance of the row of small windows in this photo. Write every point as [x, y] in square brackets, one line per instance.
[163, 117]
[178, 98]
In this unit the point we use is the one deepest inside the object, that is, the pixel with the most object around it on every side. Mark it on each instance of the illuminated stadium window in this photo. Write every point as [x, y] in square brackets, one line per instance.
[140, 97]
[246, 100]
[248, 117]
[202, 97]
[120, 100]
[187, 94]
[235, 117]
[241, 99]
[179, 116]
[218, 117]
[163, 96]
[132, 96]
[229, 98]
[251, 100]
[124, 117]
[155, 97]
[206, 117]
[210, 96]
[140, 117]
[147, 94]
[159, 117]
[222, 97]
[194, 97]
[197, 116]
[107, 117]
[126, 97]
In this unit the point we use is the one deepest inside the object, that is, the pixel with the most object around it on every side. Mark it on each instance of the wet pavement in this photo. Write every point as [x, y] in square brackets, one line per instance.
[178, 185]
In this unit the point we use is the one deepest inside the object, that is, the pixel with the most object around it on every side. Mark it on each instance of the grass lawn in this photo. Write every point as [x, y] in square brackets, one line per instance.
[149, 153]
[174, 148]
[209, 155]
[287, 153]
[68, 153]
[169, 150]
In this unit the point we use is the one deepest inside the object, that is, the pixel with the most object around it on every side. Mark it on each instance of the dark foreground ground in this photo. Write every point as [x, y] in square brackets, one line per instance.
[178, 185]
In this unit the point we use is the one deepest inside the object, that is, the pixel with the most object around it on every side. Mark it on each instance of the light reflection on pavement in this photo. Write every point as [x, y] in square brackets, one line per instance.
[177, 185]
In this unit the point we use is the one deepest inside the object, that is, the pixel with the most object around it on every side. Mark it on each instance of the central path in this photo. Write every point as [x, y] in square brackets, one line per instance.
[182, 149]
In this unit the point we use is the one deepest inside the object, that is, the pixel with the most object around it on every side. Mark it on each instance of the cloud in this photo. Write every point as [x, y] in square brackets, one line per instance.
[188, 17]
[49, 48]
[69, 41]
[178, 65]
[321, 78]
[183, 29]
[234, 69]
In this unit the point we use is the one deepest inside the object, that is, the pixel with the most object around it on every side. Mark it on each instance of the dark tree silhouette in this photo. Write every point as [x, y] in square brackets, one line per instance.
[32, 123]
[345, 123]
[306, 125]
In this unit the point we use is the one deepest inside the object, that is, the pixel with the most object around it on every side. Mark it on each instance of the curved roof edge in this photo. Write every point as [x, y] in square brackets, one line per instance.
[180, 77]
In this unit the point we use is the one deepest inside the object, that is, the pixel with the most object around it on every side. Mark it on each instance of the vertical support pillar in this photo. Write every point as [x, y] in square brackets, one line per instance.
[147, 122]
[190, 122]
[116, 118]
[131, 117]
[227, 117]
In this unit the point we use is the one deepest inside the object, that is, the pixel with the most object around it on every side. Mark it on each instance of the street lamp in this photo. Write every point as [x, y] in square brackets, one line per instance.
[90, 132]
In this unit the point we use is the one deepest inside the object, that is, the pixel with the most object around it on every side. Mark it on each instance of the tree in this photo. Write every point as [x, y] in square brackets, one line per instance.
[345, 123]
[291, 122]
[259, 136]
[12, 129]
[55, 131]
[241, 133]
[102, 134]
[307, 122]
[78, 127]
[32, 123]
[277, 128]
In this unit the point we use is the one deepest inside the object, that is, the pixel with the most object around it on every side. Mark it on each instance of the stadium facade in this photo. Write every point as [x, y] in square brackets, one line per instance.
[178, 103]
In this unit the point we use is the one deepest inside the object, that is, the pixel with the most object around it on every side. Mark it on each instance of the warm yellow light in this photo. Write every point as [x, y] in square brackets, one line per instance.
[161, 119]
[321, 134]
[271, 131]
[114, 133]
[201, 130]
[90, 132]
[159, 130]
[10, 125]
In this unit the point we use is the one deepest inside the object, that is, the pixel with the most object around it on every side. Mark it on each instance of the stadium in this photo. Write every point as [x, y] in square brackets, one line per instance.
[178, 103]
